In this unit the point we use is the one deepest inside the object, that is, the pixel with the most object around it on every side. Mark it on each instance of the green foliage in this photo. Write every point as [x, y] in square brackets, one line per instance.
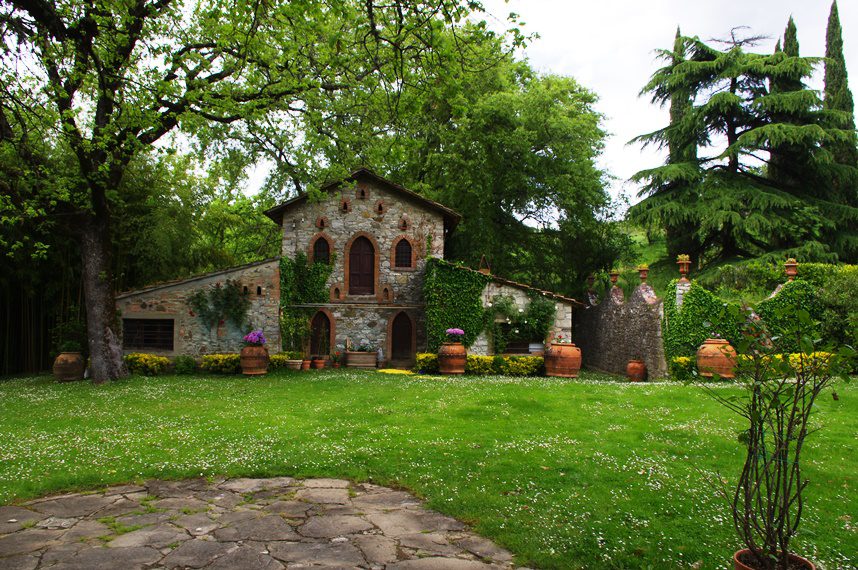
[301, 283]
[779, 313]
[453, 300]
[229, 363]
[477, 365]
[278, 361]
[518, 325]
[146, 364]
[839, 299]
[702, 314]
[221, 302]
[683, 368]
[184, 364]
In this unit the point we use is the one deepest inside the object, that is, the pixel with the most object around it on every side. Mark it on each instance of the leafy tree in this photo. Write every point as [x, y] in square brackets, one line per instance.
[749, 111]
[837, 94]
[106, 82]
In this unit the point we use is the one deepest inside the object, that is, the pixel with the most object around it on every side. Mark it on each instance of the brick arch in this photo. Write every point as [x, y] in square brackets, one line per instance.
[347, 261]
[316, 237]
[396, 241]
[389, 343]
[333, 332]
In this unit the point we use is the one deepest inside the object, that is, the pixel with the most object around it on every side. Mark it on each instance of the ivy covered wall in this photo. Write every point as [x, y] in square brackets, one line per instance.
[453, 300]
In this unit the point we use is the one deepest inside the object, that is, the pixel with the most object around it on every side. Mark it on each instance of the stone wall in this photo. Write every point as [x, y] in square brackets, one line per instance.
[616, 330]
[190, 334]
[562, 318]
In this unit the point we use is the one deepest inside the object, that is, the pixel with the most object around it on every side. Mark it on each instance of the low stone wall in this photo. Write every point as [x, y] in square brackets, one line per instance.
[192, 336]
[616, 330]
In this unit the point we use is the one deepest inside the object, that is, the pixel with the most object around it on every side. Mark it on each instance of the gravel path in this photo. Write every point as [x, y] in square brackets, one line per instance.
[240, 524]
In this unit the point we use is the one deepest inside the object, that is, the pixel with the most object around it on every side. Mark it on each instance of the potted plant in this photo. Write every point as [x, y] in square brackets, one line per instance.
[643, 271]
[563, 358]
[294, 360]
[636, 370]
[336, 357]
[791, 267]
[69, 364]
[778, 396]
[305, 363]
[684, 263]
[254, 355]
[716, 356]
[318, 361]
[364, 356]
[452, 355]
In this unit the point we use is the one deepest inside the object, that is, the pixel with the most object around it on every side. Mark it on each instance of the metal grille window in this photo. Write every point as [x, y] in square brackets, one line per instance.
[150, 334]
[403, 254]
[321, 251]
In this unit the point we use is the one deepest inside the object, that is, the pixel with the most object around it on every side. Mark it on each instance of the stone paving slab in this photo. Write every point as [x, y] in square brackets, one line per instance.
[240, 524]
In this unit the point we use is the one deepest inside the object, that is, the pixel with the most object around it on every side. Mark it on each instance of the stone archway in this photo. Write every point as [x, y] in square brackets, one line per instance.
[401, 340]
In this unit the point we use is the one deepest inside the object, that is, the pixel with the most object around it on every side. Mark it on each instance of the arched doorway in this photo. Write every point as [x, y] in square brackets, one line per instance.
[402, 340]
[361, 267]
[320, 334]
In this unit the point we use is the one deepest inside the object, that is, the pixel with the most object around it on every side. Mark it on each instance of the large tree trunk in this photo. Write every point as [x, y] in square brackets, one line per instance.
[105, 352]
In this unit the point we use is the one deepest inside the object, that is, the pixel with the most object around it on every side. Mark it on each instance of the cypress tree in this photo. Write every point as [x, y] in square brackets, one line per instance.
[838, 97]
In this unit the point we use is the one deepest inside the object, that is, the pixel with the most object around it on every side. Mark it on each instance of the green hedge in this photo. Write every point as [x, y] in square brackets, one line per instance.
[701, 314]
[778, 311]
[453, 298]
[477, 365]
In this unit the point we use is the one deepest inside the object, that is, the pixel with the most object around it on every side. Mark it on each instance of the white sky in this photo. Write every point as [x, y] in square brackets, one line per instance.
[607, 45]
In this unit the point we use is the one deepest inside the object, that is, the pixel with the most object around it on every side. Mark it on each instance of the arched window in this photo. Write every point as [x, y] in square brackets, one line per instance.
[321, 251]
[362, 267]
[402, 258]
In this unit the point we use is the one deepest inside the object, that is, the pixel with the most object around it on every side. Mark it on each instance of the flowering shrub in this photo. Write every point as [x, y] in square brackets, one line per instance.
[683, 368]
[561, 339]
[454, 335]
[221, 363]
[476, 365]
[255, 338]
[276, 361]
[147, 364]
[184, 364]
[797, 360]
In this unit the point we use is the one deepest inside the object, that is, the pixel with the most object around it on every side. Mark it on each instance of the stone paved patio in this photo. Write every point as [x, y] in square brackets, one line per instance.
[240, 524]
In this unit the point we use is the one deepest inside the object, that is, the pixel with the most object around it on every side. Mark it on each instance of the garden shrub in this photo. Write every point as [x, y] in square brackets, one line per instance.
[229, 363]
[427, 363]
[702, 314]
[478, 365]
[780, 311]
[278, 361]
[184, 364]
[146, 364]
[839, 303]
[683, 368]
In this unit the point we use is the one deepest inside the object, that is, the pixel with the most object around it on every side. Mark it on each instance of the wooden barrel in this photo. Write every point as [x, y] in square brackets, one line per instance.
[716, 356]
[452, 358]
[69, 366]
[562, 360]
[254, 360]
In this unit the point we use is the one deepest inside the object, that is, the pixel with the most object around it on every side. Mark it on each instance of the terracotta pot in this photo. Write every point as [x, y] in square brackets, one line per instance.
[69, 366]
[795, 561]
[562, 360]
[716, 356]
[791, 270]
[614, 276]
[336, 364]
[318, 363]
[254, 360]
[293, 364]
[452, 358]
[684, 266]
[636, 370]
[305, 365]
[355, 359]
[642, 273]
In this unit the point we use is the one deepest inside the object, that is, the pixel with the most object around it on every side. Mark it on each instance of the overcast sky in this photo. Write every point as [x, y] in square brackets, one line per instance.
[607, 45]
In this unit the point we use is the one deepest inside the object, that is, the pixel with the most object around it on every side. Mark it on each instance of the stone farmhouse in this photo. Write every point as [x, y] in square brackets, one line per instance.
[376, 234]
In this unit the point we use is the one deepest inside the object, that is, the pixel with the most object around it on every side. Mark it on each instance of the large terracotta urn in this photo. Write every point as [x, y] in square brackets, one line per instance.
[254, 360]
[636, 370]
[562, 359]
[452, 358]
[716, 356]
[69, 366]
[796, 561]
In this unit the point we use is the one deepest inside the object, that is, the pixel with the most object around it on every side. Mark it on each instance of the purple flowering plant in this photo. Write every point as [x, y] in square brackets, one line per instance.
[455, 335]
[255, 338]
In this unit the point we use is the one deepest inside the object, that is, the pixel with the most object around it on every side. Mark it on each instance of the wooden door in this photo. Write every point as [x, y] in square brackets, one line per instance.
[362, 267]
[402, 334]
[320, 335]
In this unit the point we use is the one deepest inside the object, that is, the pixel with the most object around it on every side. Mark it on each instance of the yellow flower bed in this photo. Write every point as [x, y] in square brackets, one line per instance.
[221, 363]
[147, 364]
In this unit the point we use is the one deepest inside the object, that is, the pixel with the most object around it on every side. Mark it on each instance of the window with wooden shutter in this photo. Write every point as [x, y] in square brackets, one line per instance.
[362, 267]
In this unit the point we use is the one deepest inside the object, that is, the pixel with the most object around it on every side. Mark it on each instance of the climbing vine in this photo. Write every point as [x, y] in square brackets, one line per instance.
[702, 314]
[228, 302]
[508, 323]
[779, 312]
[301, 283]
[453, 297]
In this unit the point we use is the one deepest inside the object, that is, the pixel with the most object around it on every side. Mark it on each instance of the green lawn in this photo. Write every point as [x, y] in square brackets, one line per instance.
[579, 473]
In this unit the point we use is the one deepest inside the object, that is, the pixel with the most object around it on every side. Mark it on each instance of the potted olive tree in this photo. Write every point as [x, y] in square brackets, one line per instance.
[778, 395]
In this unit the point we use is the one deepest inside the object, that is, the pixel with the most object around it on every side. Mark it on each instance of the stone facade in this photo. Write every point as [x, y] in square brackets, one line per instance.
[562, 319]
[383, 213]
[192, 336]
[615, 331]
